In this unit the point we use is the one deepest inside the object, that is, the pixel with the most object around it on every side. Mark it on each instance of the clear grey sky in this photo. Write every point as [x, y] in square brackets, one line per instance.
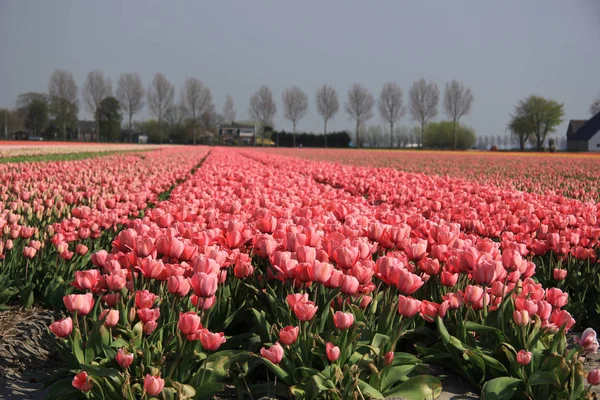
[505, 50]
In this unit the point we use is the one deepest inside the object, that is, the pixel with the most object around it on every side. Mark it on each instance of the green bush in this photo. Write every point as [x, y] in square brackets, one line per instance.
[440, 135]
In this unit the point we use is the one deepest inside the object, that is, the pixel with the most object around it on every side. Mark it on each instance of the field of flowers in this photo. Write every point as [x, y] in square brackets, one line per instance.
[26, 149]
[238, 273]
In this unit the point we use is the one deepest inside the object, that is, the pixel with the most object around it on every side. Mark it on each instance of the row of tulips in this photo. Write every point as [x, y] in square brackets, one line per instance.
[260, 278]
[569, 175]
[53, 214]
[560, 235]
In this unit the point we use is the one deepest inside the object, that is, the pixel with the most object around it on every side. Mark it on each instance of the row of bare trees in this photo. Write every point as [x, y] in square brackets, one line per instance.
[423, 105]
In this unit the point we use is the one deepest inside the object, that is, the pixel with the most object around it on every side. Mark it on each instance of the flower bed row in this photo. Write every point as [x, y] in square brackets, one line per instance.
[52, 214]
[260, 277]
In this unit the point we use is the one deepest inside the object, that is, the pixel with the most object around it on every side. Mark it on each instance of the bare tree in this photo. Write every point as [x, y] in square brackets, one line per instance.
[262, 108]
[423, 97]
[130, 93]
[62, 91]
[95, 89]
[295, 107]
[458, 100]
[595, 106]
[327, 105]
[360, 107]
[228, 110]
[196, 99]
[390, 106]
[160, 98]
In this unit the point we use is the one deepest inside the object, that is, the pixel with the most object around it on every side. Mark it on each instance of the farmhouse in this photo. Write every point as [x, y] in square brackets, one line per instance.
[237, 134]
[584, 135]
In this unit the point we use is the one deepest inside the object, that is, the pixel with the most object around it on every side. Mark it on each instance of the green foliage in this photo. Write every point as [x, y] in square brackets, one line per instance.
[64, 113]
[109, 118]
[37, 116]
[534, 118]
[440, 135]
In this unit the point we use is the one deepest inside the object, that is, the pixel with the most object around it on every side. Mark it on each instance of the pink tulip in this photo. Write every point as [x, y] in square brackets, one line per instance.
[305, 311]
[588, 341]
[111, 317]
[144, 299]
[288, 335]
[124, 359]
[82, 382]
[273, 353]
[559, 274]
[82, 303]
[189, 323]
[332, 352]
[407, 306]
[178, 285]
[62, 328]
[153, 385]
[211, 341]
[521, 318]
[524, 357]
[593, 377]
[204, 285]
[343, 320]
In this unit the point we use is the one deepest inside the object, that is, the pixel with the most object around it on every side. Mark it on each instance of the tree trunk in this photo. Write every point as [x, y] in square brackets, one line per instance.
[294, 134]
[325, 133]
[160, 133]
[357, 135]
[194, 133]
[391, 135]
[454, 132]
[130, 133]
[64, 131]
[422, 134]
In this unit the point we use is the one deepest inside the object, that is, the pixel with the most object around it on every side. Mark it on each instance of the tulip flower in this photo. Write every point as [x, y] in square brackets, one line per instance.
[588, 341]
[153, 385]
[288, 335]
[305, 311]
[85, 280]
[211, 341]
[593, 377]
[408, 306]
[559, 274]
[332, 352]
[111, 317]
[273, 353]
[82, 303]
[82, 382]
[124, 359]
[557, 297]
[521, 318]
[343, 320]
[144, 299]
[178, 285]
[189, 323]
[524, 357]
[204, 285]
[62, 328]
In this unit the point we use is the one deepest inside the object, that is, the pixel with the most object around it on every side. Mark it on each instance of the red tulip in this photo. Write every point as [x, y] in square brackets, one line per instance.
[273, 353]
[124, 359]
[388, 358]
[148, 314]
[448, 279]
[82, 382]
[343, 320]
[288, 335]
[332, 352]
[153, 385]
[62, 328]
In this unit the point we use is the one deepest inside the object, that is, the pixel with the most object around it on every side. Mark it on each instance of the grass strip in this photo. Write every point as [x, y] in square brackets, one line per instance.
[67, 156]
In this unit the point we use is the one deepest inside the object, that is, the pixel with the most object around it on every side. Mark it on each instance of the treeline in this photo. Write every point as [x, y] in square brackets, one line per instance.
[333, 139]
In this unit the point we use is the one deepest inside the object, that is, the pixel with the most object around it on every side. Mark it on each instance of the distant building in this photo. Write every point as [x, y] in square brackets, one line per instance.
[86, 131]
[584, 135]
[237, 134]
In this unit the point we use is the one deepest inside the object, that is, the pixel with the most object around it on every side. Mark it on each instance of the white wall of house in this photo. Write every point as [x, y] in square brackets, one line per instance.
[594, 142]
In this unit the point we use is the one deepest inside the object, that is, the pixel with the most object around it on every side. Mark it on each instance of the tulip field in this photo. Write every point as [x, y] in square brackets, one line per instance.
[238, 273]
